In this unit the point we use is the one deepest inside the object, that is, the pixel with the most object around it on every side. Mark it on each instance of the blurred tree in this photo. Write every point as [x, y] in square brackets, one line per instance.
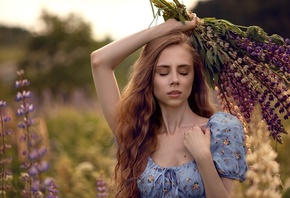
[58, 58]
[12, 42]
[12, 36]
[272, 16]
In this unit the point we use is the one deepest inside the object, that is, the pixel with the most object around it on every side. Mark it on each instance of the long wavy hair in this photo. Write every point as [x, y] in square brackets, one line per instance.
[139, 115]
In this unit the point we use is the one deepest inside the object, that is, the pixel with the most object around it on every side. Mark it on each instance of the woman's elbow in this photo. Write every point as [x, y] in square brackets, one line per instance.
[95, 60]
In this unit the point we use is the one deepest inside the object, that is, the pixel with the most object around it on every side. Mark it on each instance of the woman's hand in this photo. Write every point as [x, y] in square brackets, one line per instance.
[177, 26]
[197, 142]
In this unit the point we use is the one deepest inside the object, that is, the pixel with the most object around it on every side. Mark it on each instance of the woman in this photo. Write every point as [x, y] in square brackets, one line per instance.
[170, 142]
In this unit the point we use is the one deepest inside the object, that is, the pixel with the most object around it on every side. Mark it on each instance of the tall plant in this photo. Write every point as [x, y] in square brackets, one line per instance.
[5, 159]
[34, 165]
[263, 175]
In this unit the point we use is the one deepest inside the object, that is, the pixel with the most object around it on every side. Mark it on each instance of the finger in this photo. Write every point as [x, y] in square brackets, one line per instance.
[192, 15]
[203, 128]
[207, 131]
[186, 133]
[197, 128]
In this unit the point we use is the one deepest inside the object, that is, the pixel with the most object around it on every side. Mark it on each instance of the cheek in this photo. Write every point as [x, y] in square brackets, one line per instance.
[189, 85]
[157, 86]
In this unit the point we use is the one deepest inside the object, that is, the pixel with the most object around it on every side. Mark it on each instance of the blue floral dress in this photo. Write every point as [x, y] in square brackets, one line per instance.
[228, 152]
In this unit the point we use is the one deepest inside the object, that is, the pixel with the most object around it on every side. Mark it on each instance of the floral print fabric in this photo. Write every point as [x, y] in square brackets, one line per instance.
[228, 152]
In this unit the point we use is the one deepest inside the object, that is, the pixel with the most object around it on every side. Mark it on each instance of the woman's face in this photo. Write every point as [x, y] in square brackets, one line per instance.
[173, 76]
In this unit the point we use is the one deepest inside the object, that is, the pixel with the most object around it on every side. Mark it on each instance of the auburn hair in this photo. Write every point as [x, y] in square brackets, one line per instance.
[139, 115]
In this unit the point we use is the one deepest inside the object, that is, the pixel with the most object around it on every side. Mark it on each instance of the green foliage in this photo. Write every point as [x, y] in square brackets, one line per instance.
[13, 36]
[286, 194]
[58, 58]
[81, 147]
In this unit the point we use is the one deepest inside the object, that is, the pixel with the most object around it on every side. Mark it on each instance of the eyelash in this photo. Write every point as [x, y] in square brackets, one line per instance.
[163, 74]
[181, 73]
[184, 74]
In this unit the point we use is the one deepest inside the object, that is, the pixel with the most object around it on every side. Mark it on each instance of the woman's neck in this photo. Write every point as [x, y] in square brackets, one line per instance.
[176, 118]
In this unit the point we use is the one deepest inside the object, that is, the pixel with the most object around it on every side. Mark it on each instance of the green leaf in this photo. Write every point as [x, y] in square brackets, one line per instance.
[209, 57]
[277, 39]
[256, 33]
[223, 29]
[194, 41]
[200, 42]
[181, 18]
[220, 58]
[215, 54]
[216, 77]
[202, 54]
[209, 80]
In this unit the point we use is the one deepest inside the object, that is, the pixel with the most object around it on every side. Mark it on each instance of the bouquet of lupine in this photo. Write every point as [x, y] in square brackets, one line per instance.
[245, 65]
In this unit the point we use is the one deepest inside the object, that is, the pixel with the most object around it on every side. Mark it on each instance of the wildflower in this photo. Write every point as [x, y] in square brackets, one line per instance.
[4, 146]
[51, 188]
[101, 186]
[263, 174]
[34, 165]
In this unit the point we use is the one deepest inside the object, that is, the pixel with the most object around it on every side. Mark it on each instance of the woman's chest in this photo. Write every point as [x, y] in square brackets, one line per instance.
[171, 151]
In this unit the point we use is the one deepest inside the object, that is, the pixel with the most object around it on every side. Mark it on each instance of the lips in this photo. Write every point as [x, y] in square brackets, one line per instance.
[174, 92]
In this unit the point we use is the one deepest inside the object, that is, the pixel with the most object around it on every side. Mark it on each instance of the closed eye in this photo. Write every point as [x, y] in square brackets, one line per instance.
[184, 73]
[163, 73]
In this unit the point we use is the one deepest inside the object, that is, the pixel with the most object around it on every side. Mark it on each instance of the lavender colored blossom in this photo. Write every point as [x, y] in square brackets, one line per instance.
[101, 186]
[5, 159]
[51, 187]
[35, 183]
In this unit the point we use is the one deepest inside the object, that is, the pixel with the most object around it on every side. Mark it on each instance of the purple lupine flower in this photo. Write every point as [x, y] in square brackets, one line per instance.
[51, 188]
[4, 158]
[101, 186]
[34, 152]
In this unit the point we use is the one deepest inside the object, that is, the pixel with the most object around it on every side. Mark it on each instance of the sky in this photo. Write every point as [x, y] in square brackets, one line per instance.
[114, 18]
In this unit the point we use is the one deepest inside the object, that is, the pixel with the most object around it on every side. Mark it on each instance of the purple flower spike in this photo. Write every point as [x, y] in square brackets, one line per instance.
[34, 166]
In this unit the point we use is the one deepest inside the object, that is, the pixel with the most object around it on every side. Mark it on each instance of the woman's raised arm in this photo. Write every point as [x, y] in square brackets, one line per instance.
[105, 59]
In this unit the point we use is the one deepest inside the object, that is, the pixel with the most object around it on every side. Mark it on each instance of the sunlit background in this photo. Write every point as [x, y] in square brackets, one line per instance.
[115, 18]
[51, 40]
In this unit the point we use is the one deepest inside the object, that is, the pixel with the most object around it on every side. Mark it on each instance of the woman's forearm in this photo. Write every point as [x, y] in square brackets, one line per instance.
[111, 55]
[214, 186]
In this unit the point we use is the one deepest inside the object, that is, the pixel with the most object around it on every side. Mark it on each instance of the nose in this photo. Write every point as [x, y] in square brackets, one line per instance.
[174, 81]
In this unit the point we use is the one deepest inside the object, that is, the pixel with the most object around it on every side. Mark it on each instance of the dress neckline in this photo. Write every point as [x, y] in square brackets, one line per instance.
[171, 167]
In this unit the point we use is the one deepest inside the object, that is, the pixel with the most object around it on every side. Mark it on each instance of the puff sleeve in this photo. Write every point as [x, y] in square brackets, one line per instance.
[227, 146]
